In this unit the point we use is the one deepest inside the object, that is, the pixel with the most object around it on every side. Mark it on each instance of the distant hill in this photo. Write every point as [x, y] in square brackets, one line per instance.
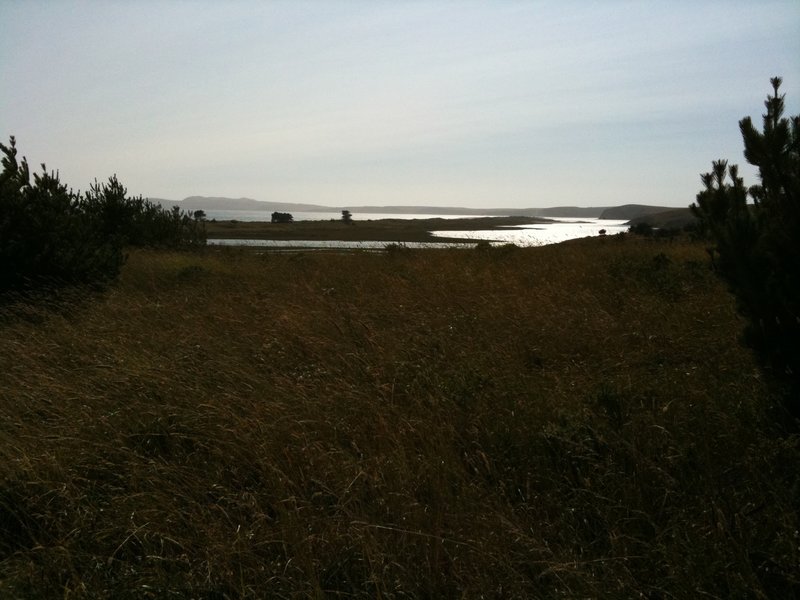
[632, 211]
[573, 212]
[219, 203]
[556, 211]
[626, 212]
[424, 210]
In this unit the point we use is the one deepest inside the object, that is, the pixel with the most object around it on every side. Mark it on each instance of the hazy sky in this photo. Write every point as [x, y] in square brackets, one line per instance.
[385, 102]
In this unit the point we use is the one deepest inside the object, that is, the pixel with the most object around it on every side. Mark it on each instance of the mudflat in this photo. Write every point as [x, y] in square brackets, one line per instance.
[381, 230]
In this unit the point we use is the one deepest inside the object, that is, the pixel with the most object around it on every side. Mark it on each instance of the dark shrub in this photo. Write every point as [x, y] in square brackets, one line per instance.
[45, 237]
[135, 221]
[643, 228]
[279, 217]
[757, 246]
[51, 236]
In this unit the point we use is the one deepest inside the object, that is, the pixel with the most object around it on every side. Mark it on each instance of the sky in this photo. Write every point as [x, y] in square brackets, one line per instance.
[437, 103]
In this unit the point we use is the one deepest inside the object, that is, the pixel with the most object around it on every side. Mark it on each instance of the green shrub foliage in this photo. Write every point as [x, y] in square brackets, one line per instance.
[51, 236]
[757, 246]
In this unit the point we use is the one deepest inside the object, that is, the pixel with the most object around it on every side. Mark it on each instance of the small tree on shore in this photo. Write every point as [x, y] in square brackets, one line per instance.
[347, 217]
[279, 217]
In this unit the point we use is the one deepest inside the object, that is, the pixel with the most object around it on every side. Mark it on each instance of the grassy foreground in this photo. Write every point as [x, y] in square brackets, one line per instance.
[565, 421]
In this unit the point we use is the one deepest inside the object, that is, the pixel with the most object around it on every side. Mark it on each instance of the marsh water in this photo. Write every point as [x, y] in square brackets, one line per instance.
[539, 234]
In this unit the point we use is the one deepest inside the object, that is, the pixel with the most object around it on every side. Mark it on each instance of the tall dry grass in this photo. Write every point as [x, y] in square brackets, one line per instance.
[566, 421]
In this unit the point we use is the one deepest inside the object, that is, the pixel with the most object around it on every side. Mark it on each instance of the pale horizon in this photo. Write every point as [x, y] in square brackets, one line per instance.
[474, 105]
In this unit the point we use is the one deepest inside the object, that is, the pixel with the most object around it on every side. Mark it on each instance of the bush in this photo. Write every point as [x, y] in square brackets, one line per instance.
[756, 245]
[134, 221]
[51, 236]
[642, 228]
[279, 217]
[45, 236]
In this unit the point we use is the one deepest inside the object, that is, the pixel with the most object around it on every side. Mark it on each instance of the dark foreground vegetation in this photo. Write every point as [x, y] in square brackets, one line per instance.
[51, 236]
[757, 245]
[565, 421]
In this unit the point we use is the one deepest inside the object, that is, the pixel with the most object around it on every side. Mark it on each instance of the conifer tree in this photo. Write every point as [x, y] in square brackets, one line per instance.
[51, 236]
[757, 248]
[45, 238]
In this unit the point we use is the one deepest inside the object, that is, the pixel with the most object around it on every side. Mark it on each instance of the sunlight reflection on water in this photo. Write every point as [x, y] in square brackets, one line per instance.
[544, 233]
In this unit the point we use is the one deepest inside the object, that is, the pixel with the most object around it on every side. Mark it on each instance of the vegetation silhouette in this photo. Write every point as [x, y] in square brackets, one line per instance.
[757, 246]
[46, 237]
[51, 236]
[642, 228]
[280, 217]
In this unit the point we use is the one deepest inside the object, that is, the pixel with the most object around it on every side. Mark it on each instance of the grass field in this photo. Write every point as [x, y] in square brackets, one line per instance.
[570, 421]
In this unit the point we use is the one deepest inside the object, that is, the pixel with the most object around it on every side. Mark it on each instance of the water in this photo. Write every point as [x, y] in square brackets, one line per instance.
[543, 233]
[524, 235]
